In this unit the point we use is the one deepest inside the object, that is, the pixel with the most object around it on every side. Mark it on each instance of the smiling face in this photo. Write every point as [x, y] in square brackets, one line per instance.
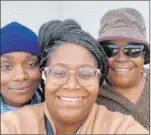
[124, 71]
[20, 77]
[71, 103]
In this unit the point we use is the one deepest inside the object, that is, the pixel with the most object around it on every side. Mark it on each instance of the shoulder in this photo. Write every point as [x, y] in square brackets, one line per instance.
[23, 114]
[22, 119]
[23, 111]
[110, 115]
[117, 121]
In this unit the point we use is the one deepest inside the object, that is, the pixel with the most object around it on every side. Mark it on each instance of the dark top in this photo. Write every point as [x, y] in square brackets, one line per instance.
[114, 101]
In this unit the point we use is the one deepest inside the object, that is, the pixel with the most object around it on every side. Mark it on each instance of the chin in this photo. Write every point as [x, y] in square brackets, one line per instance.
[70, 117]
[121, 82]
[23, 100]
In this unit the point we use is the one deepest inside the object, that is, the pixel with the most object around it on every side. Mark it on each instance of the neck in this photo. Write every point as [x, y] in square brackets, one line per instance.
[132, 92]
[67, 128]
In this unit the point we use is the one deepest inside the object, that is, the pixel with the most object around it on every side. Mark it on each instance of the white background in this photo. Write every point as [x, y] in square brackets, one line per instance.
[88, 13]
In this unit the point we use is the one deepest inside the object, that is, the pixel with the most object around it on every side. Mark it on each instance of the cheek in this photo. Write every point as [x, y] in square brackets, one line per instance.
[139, 63]
[50, 89]
[93, 90]
[5, 83]
[110, 61]
[35, 75]
[5, 79]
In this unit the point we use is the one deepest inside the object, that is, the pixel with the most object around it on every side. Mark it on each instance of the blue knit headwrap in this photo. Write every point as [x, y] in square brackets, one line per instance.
[16, 37]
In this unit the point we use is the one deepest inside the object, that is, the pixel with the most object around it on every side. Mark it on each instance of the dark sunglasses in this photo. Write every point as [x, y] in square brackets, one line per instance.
[132, 51]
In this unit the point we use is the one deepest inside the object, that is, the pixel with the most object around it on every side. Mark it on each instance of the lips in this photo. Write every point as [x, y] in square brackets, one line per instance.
[121, 68]
[72, 100]
[22, 87]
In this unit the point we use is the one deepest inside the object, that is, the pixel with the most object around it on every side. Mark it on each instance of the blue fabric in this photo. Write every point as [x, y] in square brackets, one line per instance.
[4, 108]
[48, 126]
[17, 37]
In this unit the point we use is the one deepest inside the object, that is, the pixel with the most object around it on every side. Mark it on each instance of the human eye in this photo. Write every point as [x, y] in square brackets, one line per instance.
[113, 48]
[132, 49]
[58, 73]
[86, 73]
[6, 66]
[32, 64]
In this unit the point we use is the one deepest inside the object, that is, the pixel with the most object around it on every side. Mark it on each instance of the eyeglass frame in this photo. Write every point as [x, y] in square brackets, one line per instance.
[98, 71]
[122, 48]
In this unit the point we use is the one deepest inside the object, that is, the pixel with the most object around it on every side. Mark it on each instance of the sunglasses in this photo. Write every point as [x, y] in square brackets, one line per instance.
[132, 51]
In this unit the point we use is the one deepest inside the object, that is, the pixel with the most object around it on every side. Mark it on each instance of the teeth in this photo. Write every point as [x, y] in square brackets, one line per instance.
[70, 99]
[122, 70]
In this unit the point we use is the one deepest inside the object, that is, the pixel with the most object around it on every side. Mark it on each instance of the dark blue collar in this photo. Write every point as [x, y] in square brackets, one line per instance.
[48, 126]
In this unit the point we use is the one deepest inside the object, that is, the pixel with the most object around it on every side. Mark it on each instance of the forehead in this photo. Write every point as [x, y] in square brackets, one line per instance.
[72, 55]
[119, 42]
[18, 55]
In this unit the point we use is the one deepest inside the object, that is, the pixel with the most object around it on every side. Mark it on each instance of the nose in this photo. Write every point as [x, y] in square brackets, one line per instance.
[20, 74]
[71, 83]
[121, 57]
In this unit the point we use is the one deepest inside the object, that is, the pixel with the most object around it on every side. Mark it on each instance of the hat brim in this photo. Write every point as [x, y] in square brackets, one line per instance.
[126, 33]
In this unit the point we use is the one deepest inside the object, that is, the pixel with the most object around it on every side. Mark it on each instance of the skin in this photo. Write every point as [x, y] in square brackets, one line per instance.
[69, 116]
[129, 83]
[20, 77]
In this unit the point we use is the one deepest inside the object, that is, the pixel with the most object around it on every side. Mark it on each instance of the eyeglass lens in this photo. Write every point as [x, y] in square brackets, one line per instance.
[85, 76]
[129, 50]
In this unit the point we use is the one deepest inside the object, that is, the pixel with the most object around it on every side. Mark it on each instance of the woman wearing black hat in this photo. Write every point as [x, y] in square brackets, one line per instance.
[126, 89]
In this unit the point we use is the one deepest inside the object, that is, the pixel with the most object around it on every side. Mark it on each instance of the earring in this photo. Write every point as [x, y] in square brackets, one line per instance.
[144, 74]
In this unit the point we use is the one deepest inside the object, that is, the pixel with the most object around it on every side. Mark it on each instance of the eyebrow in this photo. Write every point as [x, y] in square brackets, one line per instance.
[8, 56]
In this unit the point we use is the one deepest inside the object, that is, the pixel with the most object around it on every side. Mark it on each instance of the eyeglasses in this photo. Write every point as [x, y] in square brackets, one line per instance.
[132, 51]
[85, 76]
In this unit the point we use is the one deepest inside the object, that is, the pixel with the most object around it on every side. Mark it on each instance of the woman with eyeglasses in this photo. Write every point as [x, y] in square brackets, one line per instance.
[126, 89]
[75, 66]
[20, 68]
